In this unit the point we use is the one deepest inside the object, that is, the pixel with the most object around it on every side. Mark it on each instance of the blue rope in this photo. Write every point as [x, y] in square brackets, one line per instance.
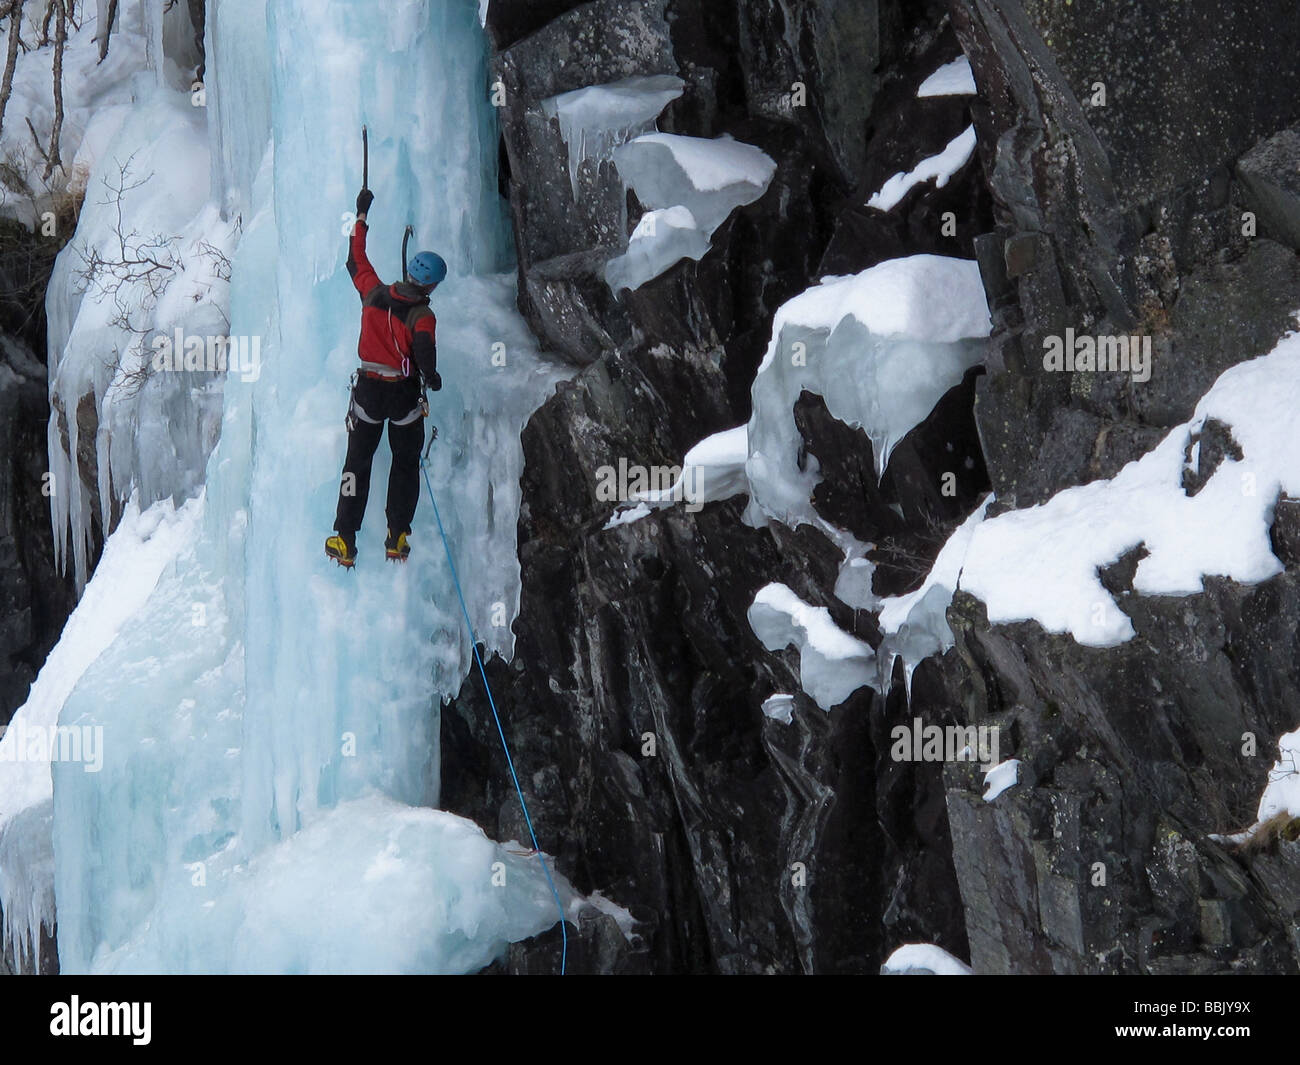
[473, 641]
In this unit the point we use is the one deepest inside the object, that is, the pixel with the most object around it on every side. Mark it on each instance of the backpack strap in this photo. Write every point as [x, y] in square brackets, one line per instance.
[405, 356]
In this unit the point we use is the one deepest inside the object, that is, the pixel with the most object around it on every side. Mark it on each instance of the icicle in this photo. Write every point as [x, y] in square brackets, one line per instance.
[599, 118]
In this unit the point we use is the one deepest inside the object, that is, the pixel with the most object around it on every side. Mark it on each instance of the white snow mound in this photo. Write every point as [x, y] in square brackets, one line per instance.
[951, 79]
[832, 664]
[1042, 563]
[881, 347]
[924, 958]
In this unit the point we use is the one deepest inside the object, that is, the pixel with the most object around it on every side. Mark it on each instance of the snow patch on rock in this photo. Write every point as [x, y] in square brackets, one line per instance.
[832, 664]
[596, 119]
[951, 79]
[924, 959]
[937, 168]
[1042, 563]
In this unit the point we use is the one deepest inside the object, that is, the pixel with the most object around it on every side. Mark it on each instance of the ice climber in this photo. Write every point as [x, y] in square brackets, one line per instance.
[397, 349]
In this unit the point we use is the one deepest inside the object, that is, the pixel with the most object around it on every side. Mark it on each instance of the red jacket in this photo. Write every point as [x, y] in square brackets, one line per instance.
[397, 327]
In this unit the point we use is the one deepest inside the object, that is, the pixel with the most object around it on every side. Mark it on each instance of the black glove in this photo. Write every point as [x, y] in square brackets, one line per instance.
[364, 199]
[435, 382]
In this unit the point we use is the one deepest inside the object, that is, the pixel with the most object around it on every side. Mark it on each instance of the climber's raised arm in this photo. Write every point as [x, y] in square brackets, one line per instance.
[359, 269]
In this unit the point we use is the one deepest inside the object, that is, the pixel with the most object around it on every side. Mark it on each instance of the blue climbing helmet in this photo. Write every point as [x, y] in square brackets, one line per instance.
[427, 268]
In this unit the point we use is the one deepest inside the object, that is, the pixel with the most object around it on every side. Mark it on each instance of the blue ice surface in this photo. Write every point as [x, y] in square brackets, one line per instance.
[266, 800]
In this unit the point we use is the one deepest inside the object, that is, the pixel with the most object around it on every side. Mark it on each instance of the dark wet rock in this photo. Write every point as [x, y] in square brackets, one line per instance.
[903, 132]
[1206, 450]
[835, 61]
[1102, 858]
[1179, 100]
[1117, 578]
[509, 21]
[632, 705]
[1108, 226]
[701, 836]
[1132, 756]
[597, 945]
[605, 41]
[1224, 314]
[1284, 533]
[574, 308]
[1083, 426]
[1270, 175]
[34, 599]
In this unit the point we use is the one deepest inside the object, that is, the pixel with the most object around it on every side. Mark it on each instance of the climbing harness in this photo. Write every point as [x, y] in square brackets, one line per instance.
[473, 641]
[356, 412]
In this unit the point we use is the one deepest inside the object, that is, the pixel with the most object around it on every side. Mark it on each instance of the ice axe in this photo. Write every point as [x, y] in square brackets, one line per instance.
[365, 158]
[406, 238]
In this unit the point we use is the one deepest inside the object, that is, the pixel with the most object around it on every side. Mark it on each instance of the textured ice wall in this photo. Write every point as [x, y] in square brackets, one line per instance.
[265, 706]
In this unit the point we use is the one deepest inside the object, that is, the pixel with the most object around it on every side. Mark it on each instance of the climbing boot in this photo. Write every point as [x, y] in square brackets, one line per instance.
[342, 550]
[396, 548]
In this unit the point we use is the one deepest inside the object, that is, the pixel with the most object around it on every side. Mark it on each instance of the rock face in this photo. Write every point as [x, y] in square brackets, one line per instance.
[34, 599]
[1270, 179]
[740, 844]
[1117, 160]
[1115, 217]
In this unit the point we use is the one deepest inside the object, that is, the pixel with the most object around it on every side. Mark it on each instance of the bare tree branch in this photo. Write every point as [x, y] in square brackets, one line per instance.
[11, 56]
[60, 37]
[150, 262]
[35, 137]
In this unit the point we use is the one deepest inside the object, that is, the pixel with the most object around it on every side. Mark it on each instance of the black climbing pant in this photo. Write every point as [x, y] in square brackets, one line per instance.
[374, 402]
